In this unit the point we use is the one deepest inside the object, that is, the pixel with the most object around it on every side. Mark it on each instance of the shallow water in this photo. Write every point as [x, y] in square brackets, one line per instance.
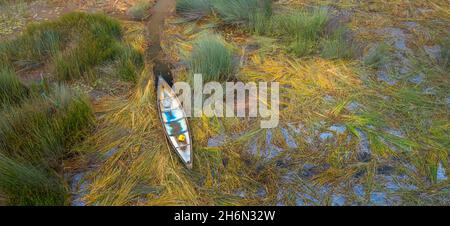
[434, 52]
[339, 129]
[216, 141]
[441, 176]
[418, 79]
[79, 188]
[385, 77]
[338, 200]
[288, 138]
[326, 135]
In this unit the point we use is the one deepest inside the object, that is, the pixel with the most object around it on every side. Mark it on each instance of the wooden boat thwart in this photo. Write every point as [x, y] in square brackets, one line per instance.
[174, 121]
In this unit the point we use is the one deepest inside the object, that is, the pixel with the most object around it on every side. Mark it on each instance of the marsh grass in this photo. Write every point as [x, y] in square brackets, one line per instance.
[240, 12]
[75, 44]
[39, 130]
[337, 45]
[39, 123]
[211, 58]
[194, 9]
[445, 54]
[35, 137]
[230, 174]
[40, 40]
[170, 183]
[12, 91]
[302, 29]
[260, 22]
[140, 10]
[252, 14]
[302, 47]
[377, 112]
[130, 63]
[316, 94]
[33, 46]
[28, 185]
[377, 56]
[72, 64]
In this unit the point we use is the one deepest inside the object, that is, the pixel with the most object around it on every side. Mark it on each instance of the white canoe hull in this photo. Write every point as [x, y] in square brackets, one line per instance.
[174, 122]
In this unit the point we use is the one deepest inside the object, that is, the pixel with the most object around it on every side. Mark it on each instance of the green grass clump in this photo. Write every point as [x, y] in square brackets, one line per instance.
[34, 46]
[252, 13]
[241, 11]
[74, 114]
[75, 62]
[302, 29]
[40, 130]
[41, 40]
[337, 46]
[445, 54]
[140, 10]
[377, 56]
[35, 137]
[11, 89]
[260, 22]
[91, 23]
[131, 62]
[193, 9]
[75, 43]
[211, 58]
[27, 185]
[302, 47]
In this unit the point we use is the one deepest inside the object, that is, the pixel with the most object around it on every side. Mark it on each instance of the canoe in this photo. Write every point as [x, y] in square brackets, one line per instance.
[174, 122]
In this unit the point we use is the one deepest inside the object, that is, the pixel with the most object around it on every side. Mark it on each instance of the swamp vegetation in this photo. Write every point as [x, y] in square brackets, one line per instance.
[364, 112]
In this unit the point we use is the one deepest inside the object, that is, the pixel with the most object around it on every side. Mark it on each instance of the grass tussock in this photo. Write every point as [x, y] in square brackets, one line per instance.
[355, 138]
[130, 63]
[40, 130]
[337, 46]
[445, 54]
[35, 137]
[27, 185]
[140, 10]
[11, 88]
[260, 22]
[41, 40]
[241, 11]
[74, 44]
[378, 56]
[254, 14]
[193, 9]
[302, 29]
[73, 63]
[211, 58]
